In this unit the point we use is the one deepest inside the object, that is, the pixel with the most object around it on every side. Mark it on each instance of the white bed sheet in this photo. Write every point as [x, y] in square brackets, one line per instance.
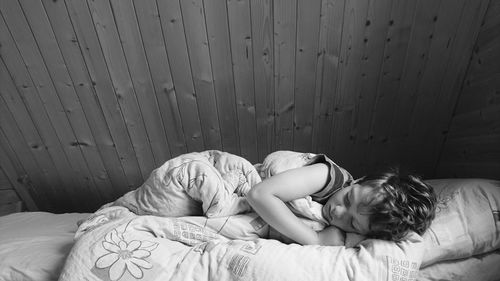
[34, 245]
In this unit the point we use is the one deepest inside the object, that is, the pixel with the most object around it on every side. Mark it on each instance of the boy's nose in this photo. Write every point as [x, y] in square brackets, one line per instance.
[339, 212]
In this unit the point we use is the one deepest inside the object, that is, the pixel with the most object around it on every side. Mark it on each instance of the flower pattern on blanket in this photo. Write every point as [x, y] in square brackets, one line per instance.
[125, 256]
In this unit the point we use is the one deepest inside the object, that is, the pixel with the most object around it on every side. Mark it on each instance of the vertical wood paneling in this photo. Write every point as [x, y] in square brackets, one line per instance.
[220, 57]
[305, 75]
[193, 16]
[263, 56]
[471, 145]
[113, 51]
[22, 143]
[240, 30]
[374, 42]
[426, 16]
[474, 13]
[399, 32]
[331, 30]
[12, 167]
[131, 41]
[285, 34]
[111, 166]
[341, 135]
[438, 59]
[175, 42]
[38, 92]
[100, 82]
[95, 94]
[9, 200]
[91, 164]
[20, 190]
[416, 58]
[150, 29]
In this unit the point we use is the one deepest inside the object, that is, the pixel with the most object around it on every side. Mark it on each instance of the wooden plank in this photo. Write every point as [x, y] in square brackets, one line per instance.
[332, 19]
[86, 156]
[416, 58]
[109, 174]
[285, 34]
[114, 56]
[8, 169]
[442, 44]
[175, 41]
[342, 137]
[488, 170]
[217, 23]
[375, 39]
[8, 196]
[479, 93]
[479, 122]
[16, 149]
[4, 181]
[11, 208]
[30, 82]
[101, 84]
[308, 27]
[240, 30]
[399, 33]
[428, 85]
[148, 18]
[468, 30]
[482, 81]
[193, 17]
[490, 31]
[131, 42]
[263, 62]
[481, 67]
[474, 148]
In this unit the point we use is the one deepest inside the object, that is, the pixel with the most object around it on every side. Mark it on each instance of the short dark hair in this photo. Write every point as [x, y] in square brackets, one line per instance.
[401, 203]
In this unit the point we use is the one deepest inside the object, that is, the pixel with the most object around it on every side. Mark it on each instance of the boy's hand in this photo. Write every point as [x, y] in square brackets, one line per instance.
[331, 236]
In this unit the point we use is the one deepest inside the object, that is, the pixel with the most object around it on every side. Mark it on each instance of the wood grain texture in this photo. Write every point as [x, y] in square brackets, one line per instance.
[240, 32]
[473, 135]
[95, 94]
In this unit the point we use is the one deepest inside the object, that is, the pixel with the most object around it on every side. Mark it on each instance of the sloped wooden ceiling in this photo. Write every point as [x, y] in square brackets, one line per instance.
[472, 147]
[95, 94]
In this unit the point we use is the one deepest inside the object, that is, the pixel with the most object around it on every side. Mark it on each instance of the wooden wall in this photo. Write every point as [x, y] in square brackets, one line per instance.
[472, 148]
[97, 93]
[9, 200]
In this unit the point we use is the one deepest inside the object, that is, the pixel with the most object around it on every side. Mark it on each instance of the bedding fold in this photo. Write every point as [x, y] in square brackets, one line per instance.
[190, 221]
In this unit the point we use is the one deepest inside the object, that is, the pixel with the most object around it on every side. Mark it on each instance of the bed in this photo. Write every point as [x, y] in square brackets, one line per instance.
[113, 243]
[34, 246]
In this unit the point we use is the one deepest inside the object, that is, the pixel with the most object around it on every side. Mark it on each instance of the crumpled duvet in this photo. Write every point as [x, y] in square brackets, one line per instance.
[138, 238]
[218, 180]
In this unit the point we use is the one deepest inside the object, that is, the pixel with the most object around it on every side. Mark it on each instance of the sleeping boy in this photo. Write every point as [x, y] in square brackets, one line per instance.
[386, 206]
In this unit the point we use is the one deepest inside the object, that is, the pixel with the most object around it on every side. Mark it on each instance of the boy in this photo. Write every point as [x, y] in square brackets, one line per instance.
[385, 206]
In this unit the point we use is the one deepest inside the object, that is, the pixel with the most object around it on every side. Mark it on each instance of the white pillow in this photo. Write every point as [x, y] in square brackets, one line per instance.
[467, 220]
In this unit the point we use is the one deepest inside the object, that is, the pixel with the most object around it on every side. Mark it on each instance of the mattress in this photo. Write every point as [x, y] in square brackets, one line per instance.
[34, 245]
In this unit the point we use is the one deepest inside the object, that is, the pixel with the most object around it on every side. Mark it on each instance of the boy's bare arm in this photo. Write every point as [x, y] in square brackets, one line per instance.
[268, 200]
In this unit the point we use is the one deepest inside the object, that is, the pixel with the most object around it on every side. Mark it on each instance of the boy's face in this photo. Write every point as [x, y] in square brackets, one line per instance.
[341, 209]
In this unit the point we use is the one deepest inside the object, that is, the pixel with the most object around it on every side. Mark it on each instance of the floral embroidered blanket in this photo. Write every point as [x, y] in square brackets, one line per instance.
[141, 236]
[116, 244]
